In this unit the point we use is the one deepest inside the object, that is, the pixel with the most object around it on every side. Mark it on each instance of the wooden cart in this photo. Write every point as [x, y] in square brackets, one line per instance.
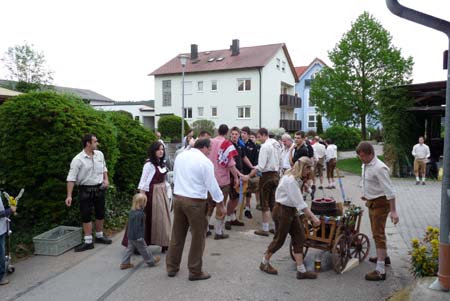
[339, 235]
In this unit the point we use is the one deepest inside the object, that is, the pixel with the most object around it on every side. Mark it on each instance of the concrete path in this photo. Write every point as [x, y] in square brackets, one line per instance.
[233, 263]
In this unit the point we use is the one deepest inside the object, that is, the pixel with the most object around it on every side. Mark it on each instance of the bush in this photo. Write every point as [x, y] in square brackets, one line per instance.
[345, 138]
[170, 126]
[134, 141]
[40, 134]
[203, 125]
[425, 254]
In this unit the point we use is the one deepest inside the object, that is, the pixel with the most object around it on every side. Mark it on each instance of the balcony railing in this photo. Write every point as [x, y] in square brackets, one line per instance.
[290, 101]
[291, 125]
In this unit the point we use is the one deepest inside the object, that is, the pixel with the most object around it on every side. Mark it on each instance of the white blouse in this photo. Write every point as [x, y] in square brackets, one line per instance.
[148, 171]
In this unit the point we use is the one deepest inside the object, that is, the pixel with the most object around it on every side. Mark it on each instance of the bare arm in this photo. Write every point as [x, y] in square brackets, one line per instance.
[70, 186]
[394, 215]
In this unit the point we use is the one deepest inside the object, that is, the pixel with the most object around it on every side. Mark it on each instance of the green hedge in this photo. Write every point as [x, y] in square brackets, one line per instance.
[134, 141]
[170, 126]
[345, 138]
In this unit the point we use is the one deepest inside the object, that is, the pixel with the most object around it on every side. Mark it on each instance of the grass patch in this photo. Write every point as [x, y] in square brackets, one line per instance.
[352, 165]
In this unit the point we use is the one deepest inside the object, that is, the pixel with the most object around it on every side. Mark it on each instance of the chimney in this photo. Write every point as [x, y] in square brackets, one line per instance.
[194, 51]
[235, 47]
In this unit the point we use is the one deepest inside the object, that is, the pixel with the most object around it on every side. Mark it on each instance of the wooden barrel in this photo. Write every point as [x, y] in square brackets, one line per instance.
[325, 207]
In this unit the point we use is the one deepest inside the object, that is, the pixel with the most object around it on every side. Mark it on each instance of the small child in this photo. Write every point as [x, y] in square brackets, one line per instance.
[136, 240]
[4, 213]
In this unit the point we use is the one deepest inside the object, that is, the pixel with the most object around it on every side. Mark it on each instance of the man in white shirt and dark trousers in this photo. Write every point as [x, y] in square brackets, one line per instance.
[379, 195]
[319, 160]
[269, 162]
[421, 153]
[88, 170]
[193, 179]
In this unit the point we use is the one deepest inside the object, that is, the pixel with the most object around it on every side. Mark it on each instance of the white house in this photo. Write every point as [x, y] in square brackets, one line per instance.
[142, 111]
[248, 86]
[307, 112]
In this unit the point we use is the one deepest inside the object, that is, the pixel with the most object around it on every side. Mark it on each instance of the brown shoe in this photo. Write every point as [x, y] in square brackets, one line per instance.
[227, 226]
[172, 273]
[268, 269]
[306, 275]
[202, 276]
[236, 223]
[375, 276]
[155, 261]
[221, 236]
[387, 260]
[262, 232]
[125, 266]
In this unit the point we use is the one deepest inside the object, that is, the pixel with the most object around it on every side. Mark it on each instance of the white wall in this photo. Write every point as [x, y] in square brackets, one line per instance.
[133, 109]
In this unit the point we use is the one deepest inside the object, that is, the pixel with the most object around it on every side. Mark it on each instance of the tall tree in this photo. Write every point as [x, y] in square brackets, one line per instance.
[364, 63]
[27, 66]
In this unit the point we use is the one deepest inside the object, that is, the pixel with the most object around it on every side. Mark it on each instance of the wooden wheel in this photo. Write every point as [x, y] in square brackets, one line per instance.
[359, 247]
[291, 251]
[340, 253]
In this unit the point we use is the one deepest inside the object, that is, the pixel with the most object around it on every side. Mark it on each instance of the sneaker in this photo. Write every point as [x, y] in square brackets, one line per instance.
[248, 214]
[84, 247]
[423, 183]
[227, 226]
[103, 240]
[375, 276]
[387, 260]
[4, 281]
[221, 236]
[262, 232]
[201, 276]
[236, 223]
[267, 268]
[125, 266]
[417, 182]
[156, 260]
[306, 275]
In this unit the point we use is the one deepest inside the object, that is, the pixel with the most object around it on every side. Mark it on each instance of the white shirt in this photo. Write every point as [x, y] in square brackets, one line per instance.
[193, 176]
[269, 158]
[85, 170]
[148, 171]
[331, 152]
[421, 151]
[288, 193]
[285, 155]
[376, 181]
[319, 150]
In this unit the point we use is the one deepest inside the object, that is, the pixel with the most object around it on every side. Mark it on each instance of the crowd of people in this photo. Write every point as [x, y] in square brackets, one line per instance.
[217, 175]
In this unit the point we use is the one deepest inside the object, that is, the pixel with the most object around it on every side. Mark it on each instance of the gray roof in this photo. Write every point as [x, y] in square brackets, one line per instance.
[84, 94]
[149, 103]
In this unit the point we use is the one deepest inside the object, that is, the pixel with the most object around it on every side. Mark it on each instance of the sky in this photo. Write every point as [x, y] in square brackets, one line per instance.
[111, 46]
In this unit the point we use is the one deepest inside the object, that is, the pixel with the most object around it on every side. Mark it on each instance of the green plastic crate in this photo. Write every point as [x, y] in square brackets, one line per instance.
[57, 241]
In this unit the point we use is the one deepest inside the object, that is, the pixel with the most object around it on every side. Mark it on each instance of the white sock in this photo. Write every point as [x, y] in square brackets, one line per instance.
[233, 217]
[265, 226]
[209, 220]
[228, 218]
[380, 267]
[99, 234]
[301, 268]
[417, 179]
[264, 260]
[218, 227]
[88, 239]
[423, 179]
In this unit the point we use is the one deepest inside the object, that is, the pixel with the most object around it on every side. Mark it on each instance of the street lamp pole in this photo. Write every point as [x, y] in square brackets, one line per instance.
[183, 60]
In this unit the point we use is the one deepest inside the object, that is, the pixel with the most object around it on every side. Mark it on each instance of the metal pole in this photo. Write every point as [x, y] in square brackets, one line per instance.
[182, 105]
[443, 281]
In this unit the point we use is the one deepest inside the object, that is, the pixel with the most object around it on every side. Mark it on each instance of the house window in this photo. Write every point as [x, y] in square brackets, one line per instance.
[244, 84]
[278, 63]
[187, 87]
[214, 85]
[284, 67]
[200, 86]
[167, 93]
[136, 118]
[187, 112]
[200, 111]
[213, 111]
[312, 122]
[244, 112]
[282, 115]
